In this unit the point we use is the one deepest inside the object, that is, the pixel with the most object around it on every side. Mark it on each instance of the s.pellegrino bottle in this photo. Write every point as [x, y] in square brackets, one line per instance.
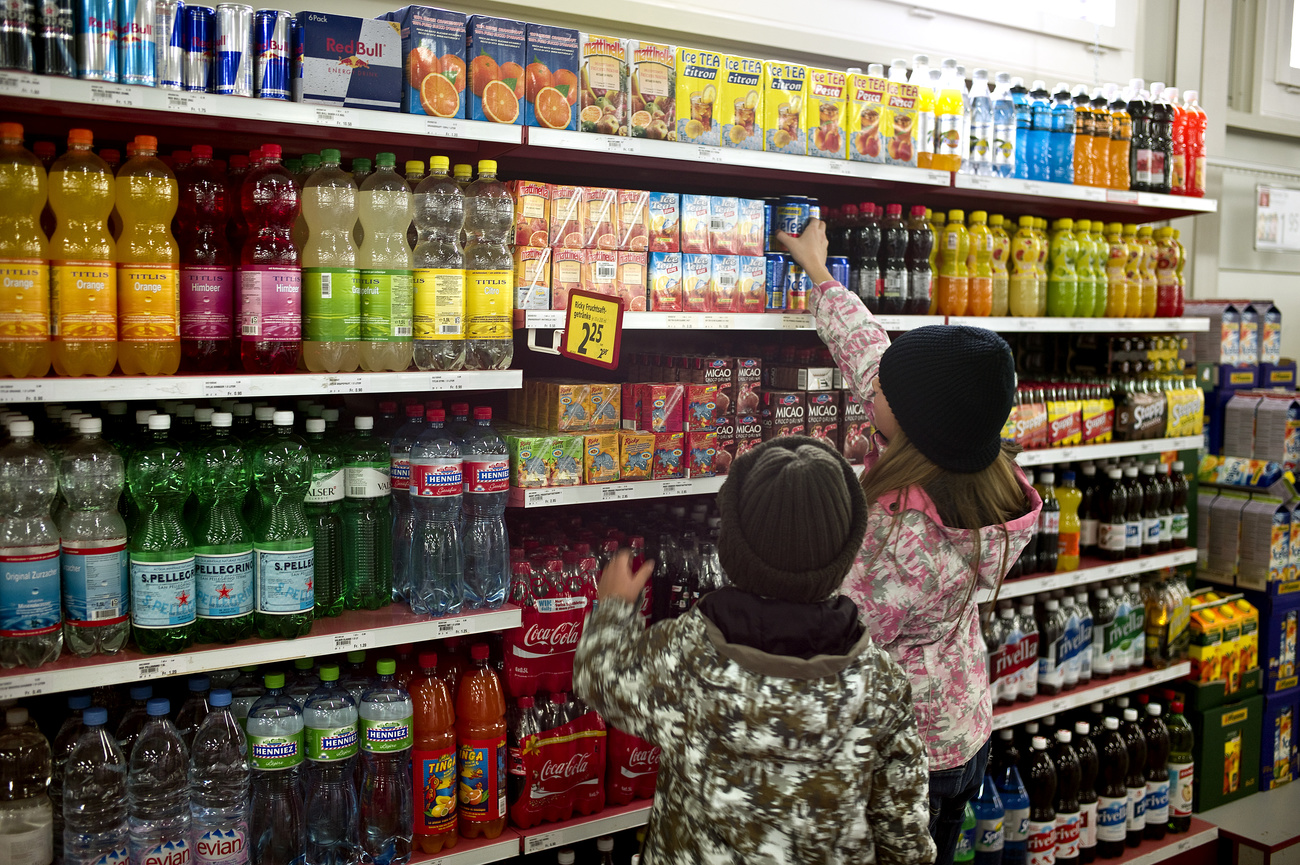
[283, 547]
[324, 503]
[223, 544]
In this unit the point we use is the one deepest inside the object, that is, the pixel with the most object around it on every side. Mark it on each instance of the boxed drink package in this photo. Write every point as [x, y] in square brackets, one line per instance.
[822, 410]
[633, 220]
[702, 448]
[697, 274]
[1227, 746]
[1277, 429]
[1140, 416]
[495, 51]
[664, 277]
[551, 77]
[567, 266]
[701, 409]
[783, 413]
[532, 212]
[1277, 616]
[750, 215]
[631, 280]
[669, 450]
[1185, 413]
[636, 453]
[563, 768]
[433, 43]
[865, 107]
[631, 404]
[1248, 341]
[749, 433]
[652, 87]
[603, 94]
[726, 444]
[719, 372]
[855, 430]
[696, 220]
[1098, 420]
[348, 62]
[532, 277]
[599, 218]
[724, 222]
[749, 379]
[664, 214]
[783, 103]
[565, 216]
[699, 74]
[1222, 344]
[1278, 760]
[899, 123]
[600, 458]
[633, 768]
[1064, 423]
[1270, 331]
[529, 455]
[741, 102]
[606, 406]
[1225, 537]
[723, 296]
[824, 116]
[751, 286]
[600, 271]
[802, 377]
[1239, 424]
[662, 408]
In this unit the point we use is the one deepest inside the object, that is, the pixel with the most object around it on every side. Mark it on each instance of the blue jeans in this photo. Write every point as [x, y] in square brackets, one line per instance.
[950, 790]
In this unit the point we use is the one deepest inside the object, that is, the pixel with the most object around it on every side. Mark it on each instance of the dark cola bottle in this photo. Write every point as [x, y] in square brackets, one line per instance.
[1041, 783]
[1087, 754]
[1112, 795]
[1066, 762]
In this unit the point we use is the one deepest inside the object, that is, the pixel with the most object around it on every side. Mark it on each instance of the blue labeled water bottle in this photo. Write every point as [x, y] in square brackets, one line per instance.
[1015, 804]
[1062, 140]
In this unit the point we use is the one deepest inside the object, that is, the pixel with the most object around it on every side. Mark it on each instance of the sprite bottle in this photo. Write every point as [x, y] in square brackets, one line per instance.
[163, 603]
[324, 504]
[283, 547]
[223, 545]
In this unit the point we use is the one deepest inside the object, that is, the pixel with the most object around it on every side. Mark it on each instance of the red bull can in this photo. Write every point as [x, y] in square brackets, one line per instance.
[168, 19]
[196, 70]
[778, 263]
[137, 49]
[233, 49]
[96, 22]
[273, 32]
[796, 289]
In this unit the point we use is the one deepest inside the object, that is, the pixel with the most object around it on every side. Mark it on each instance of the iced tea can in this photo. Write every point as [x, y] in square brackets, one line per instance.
[97, 39]
[652, 90]
[272, 37]
[864, 112]
[774, 276]
[137, 50]
[169, 27]
[196, 68]
[784, 87]
[796, 288]
[698, 76]
[233, 54]
[740, 102]
[824, 118]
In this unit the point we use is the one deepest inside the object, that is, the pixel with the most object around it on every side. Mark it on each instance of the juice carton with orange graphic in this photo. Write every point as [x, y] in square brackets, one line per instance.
[433, 43]
[783, 103]
[551, 77]
[532, 277]
[532, 212]
[599, 217]
[723, 223]
[632, 280]
[824, 116]
[600, 458]
[566, 216]
[898, 126]
[633, 219]
[495, 54]
[652, 90]
[664, 278]
[740, 102]
[602, 91]
[698, 75]
[600, 272]
[696, 216]
[566, 274]
[722, 284]
[749, 226]
[865, 109]
[751, 284]
[697, 275]
[636, 453]
[664, 209]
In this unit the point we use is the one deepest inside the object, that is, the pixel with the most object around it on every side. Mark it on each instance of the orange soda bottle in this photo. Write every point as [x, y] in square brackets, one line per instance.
[148, 265]
[1022, 295]
[1001, 253]
[1083, 137]
[433, 760]
[954, 285]
[936, 219]
[1121, 130]
[979, 266]
[1132, 272]
[24, 259]
[1040, 266]
[1147, 271]
[1101, 124]
[481, 732]
[1116, 272]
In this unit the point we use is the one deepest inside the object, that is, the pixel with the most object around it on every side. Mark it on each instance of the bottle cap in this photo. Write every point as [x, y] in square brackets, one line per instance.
[918, 59]
[1153, 709]
[316, 425]
[222, 419]
[893, 210]
[1063, 736]
[487, 166]
[414, 166]
[918, 210]
[1052, 604]
[414, 410]
[1131, 471]
[1005, 734]
[356, 657]
[363, 423]
[604, 845]
[1130, 714]
[201, 151]
[251, 668]
[303, 663]
[264, 413]
[95, 716]
[199, 684]
[1039, 743]
[90, 426]
[145, 142]
[331, 415]
[282, 418]
[160, 422]
[956, 215]
[483, 413]
[1006, 613]
[463, 170]
[273, 680]
[428, 660]
[460, 409]
[17, 715]
[22, 429]
[219, 697]
[361, 165]
[1081, 727]
[80, 136]
[77, 702]
[1047, 477]
[564, 857]
[439, 163]
[243, 409]
[1176, 707]
[158, 706]
[385, 160]
[141, 692]
[1149, 469]
[435, 415]
[271, 151]
[204, 415]
[1111, 722]
[386, 667]
[1067, 476]
[479, 652]
[329, 672]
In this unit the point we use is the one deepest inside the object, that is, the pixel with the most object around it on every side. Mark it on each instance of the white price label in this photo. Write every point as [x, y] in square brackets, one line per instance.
[890, 322]
[616, 492]
[1109, 690]
[221, 387]
[1047, 584]
[796, 322]
[1114, 570]
[619, 144]
[19, 390]
[1125, 323]
[17, 687]
[543, 498]
[679, 322]
[716, 322]
[1064, 455]
[1121, 196]
[108, 94]
[343, 384]
[158, 668]
[351, 642]
[446, 381]
[441, 127]
[836, 166]
[977, 182]
[677, 488]
[456, 627]
[335, 117]
[538, 843]
[709, 154]
[1060, 705]
[17, 84]
[190, 103]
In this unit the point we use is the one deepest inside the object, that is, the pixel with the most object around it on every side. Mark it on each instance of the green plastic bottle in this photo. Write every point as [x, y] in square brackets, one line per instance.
[1100, 278]
[966, 841]
[161, 549]
[1062, 283]
[223, 545]
[1182, 768]
[283, 546]
[367, 524]
[324, 504]
[1083, 270]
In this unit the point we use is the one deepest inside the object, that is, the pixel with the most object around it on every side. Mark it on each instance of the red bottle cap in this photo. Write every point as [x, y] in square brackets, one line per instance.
[201, 151]
[479, 652]
[429, 660]
[435, 415]
[483, 413]
[271, 151]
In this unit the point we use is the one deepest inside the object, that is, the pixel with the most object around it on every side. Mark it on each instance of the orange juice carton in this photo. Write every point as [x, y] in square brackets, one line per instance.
[606, 405]
[864, 110]
[551, 77]
[749, 226]
[652, 90]
[433, 43]
[824, 115]
[532, 277]
[669, 447]
[664, 278]
[724, 220]
[664, 210]
[600, 458]
[697, 274]
[600, 271]
[699, 73]
[599, 217]
[751, 283]
[633, 220]
[740, 102]
[631, 280]
[898, 126]
[532, 212]
[566, 274]
[702, 449]
[723, 296]
[566, 216]
[783, 104]
[636, 452]
[701, 410]
[661, 407]
[602, 91]
[495, 51]
[697, 216]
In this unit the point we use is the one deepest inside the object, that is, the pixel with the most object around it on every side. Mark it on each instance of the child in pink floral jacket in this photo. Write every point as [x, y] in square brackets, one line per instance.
[948, 513]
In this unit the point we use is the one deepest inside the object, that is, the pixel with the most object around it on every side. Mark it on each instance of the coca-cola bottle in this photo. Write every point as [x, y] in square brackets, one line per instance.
[1067, 798]
[1087, 754]
[633, 768]
[1041, 782]
[522, 724]
[1135, 779]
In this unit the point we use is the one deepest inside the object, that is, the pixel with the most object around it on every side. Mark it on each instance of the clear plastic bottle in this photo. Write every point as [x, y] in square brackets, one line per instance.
[61, 748]
[1024, 109]
[999, 256]
[329, 719]
[487, 481]
[367, 524]
[386, 737]
[1084, 272]
[158, 790]
[489, 271]
[207, 292]
[275, 754]
[30, 596]
[438, 278]
[190, 716]
[893, 261]
[270, 269]
[94, 812]
[304, 680]
[133, 720]
[26, 816]
[1062, 281]
[355, 678]
[24, 259]
[983, 135]
[219, 786]
[949, 120]
[979, 266]
[331, 278]
[246, 690]
[399, 451]
[1101, 129]
[324, 503]
[1005, 144]
[148, 265]
[433, 758]
[920, 245]
[437, 550]
[283, 549]
[925, 119]
[384, 213]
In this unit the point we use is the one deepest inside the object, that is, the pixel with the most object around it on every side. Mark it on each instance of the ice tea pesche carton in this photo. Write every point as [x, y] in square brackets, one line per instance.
[750, 217]
[699, 74]
[899, 123]
[551, 77]
[495, 53]
[602, 95]
[864, 114]
[348, 62]
[433, 44]
[724, 223]
[826, 92]
[740, 102]
[784, 86]
[652, 90]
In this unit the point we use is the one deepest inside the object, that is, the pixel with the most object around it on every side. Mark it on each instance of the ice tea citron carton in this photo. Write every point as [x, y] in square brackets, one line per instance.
[652, 90]
[740, 102]
[825, 92]
[784, 86]
[864, 116]
[699, 73]
[602, 101]
[899, 123]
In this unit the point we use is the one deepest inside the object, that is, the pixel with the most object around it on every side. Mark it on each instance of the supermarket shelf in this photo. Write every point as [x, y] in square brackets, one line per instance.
[474, 851]
[590, 494]
[354, 630]
[1086, 201]
[54, 389]
[1052, 456]
[1054, 705]
[1012, 324]
[1261, 823]
[607, 822]
[1095, 572]
[552, 319]
[1151, 852]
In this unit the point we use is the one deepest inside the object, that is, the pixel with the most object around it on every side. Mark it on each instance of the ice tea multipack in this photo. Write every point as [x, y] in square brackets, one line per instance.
[699, 73]
[864, 113]
[740, 102]
[495, 53]
[784, 86]
[824, 116]
[602, 104]
[348, 62]
[652, 90]
[433, 45]
[551, 77]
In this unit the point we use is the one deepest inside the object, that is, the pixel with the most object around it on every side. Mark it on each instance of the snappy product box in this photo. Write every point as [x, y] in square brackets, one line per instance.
[751, 285]
[664, 211]
[433, 43]
[664, 277]
[740, 102]
[495, 53]
[698, 75]
[348, 62]
[864, 111]
[603, 97]
[784, 100]
[697, 274]
[824, 116]
[551, 77]
[652, 90]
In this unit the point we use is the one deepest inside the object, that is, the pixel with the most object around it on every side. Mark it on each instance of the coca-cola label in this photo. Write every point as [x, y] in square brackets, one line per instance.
[564, 772]
[436, 478]
[487, 473]
[539, 654]
[482, 785]
[633, 768]
[435, 790]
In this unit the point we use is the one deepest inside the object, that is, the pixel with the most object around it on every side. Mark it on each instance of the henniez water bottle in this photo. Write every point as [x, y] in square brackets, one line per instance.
[24, 254]
[323, 504]
[96, 607]
[30, 598]
[161, 548]
[283, 548]
[367, 526]
[223, 544]
[207, 291]
[487, 481]
[400, 477]
[26, 817]
[384, 210]
[437, 552]
[387, 818]
[275, 751]
[331, 280]
[219, 784]
[329, 719]
[95, 828]
[270, 271]
[158, 790]
[489, 296]
[438, 278]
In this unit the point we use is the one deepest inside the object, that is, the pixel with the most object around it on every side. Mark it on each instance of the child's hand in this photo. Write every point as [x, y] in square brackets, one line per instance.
[809, 250]
[618, 581]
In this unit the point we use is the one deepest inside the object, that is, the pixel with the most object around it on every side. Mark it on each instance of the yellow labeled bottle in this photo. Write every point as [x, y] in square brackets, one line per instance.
[936, 219]
[1083, 272]
[979, 266]
[83, 267]
[1147, 272]
[1132, 272]
[148, 264]
[1000, 254]
[24, 260]
[924, 111]
[1116, 272]
[949, 121]
[954, 244]
[1070, 497]
[1101, 281]
[1022, 298]
[1178, 275]
[1040, 237]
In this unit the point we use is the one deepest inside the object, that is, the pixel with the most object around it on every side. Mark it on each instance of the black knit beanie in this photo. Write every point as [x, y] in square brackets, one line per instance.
[951, 388]
[793, 517]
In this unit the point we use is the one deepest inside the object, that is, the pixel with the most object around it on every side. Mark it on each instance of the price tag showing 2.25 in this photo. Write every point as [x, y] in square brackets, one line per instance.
[593, 329]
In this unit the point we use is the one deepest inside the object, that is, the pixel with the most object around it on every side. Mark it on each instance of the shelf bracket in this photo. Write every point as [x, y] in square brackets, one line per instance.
[554, 348]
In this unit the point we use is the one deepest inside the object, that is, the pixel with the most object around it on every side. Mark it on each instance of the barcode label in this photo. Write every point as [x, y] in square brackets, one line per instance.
[605, 271]
[96, 615]
[716, 223]
[254, 328]
[402, 330]
[449, 329]
[326, 292]
[727, 280]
